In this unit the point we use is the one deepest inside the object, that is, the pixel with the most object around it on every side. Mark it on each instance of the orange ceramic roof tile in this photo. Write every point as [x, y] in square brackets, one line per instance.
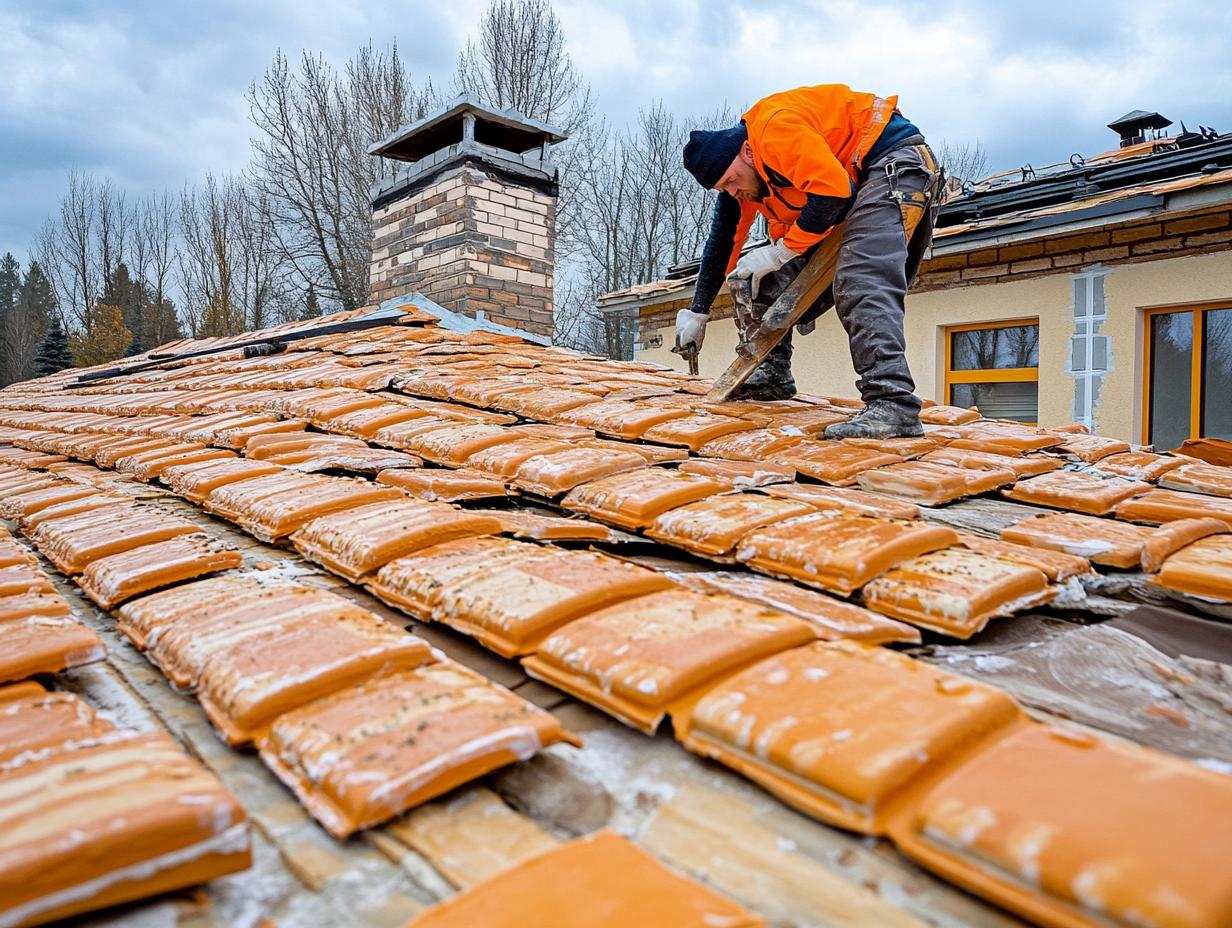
[621, 418]
[906, 448]
[12, 553]
[834, 463]
[181, 641]
[839, 552]
[1203, 568]
[72, 542]
[276, 506]
[414, 583]
[555, 431]
[1076, 491]
[1104, 541]
[39, 635]
[1159, 506]
[842, 730]
[1092, 448]
[1209, 479]
[263, 447]
[246, 684]
[633, 500]
[832, 618]
[503, 460]
[813, 420]
[204, 428]
[1170, 538]
[198, 480]
[483, 392]
[444, 485]
[107, 456]
[1055, 565]
[948, 415]
[640, 657]
[740, 473]
[651, 454]
[1031, 465]
[20, 505]
[357, 457]
[845, 499]
[1139, 465]
[402, 434]
[238, 436]
[933, 484]
[956, 591]
[546, 402]
[367, 421]
[559, 472]
[715, 525]
[512, 605]
[23, 578]
[693, 431]
[370, 752]
[355, 542]
[144, 618]
[150, 468]
[754, 445]
[1018, 438]
[1070, 831]
[27, 482]
[111, 580]
[453, 444]
[110, 822]
[601, 881]
[522, 523]
[34, 722]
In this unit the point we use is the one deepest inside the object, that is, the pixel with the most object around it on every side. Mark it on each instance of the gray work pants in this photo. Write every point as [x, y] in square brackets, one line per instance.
[876, 265]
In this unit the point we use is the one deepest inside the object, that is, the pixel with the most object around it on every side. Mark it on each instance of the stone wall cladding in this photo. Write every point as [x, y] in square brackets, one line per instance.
[1141, 241]
[472, 242]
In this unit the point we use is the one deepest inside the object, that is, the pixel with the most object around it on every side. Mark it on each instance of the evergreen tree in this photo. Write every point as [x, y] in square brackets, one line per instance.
[105, 337]
[10, 287]
[312, 305]
[53, 353]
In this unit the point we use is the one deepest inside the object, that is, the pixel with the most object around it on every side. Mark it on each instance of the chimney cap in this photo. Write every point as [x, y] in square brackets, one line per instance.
[505, 129]
[1139, 119]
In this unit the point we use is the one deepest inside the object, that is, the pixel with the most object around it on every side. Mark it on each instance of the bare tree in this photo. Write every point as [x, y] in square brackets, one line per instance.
[963, 161]
[311, 163]
[66, 247]
[157, 248]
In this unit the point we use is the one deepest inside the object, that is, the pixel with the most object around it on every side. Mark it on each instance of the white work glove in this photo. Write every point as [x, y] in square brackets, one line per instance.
[762, 261]
[690, 330]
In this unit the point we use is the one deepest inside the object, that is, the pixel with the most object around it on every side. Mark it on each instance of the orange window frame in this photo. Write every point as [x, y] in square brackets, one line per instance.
[986, 374]
[1196, 362]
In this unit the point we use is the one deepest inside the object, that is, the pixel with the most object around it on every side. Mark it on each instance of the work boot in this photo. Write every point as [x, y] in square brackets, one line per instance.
[879, 419]
[772, 380]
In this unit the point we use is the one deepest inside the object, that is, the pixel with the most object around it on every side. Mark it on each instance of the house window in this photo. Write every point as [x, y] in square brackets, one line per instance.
[1188, 375]
[995, 366]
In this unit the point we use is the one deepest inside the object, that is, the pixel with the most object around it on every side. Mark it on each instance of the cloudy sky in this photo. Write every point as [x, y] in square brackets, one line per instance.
[151, 92]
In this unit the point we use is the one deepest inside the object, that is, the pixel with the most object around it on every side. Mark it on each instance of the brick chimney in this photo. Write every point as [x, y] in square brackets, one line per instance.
[470, 221]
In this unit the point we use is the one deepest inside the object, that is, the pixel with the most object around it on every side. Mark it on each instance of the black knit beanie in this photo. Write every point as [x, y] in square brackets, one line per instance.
[709, 153]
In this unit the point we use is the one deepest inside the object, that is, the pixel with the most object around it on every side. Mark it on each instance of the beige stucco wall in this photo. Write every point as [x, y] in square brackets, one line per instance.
[822, 363]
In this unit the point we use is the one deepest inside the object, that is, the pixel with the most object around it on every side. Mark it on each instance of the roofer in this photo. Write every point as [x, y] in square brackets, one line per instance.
[806, 159]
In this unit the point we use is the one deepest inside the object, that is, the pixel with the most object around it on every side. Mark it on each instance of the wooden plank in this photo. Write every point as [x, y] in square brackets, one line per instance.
[786, 311]
[471, 836]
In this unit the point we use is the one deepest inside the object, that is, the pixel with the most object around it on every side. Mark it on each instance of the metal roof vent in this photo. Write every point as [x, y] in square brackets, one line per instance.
[1137, 126]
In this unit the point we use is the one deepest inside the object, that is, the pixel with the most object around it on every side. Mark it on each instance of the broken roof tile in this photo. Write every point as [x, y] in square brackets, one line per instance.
[1203, 568]
[1056, 565]
[1076, 491]
[365, 754]
[111, 580]
[634, 499]
[1104, 541]
[832, 618]
[358, 541]
[109, 822]
[1171, 537]
[956, 591]
[444, 485]
[933, 484]
[600, 881]
[1209, 479]
[844, 499]
[1050, 824]
[839, 552]
[1159, 506]
[1092, 448]
[244, 685]
[1139, 465]
[842, 730]
[714, 526]
[638, 658]
[559, 472]
[1030, 465]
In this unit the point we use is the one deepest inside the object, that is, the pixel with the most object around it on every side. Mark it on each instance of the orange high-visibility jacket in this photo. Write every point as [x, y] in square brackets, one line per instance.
[808, 140]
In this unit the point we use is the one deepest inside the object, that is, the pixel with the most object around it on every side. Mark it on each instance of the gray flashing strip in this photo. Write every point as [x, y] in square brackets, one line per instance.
[457, 322]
